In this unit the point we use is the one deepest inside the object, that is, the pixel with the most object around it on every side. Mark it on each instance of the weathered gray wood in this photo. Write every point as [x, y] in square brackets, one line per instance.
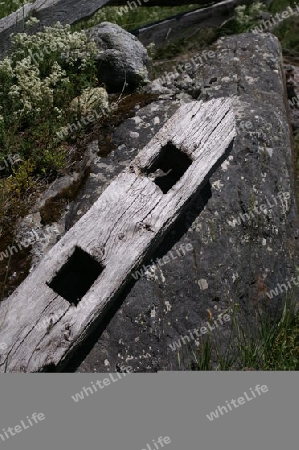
[48, 12]
[175, 28]
[70, 11]
[124, 226]
[162, 2]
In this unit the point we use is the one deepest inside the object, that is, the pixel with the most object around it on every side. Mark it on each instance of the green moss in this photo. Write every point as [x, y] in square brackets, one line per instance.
[9, 6]
[54, 207]
[288, 34]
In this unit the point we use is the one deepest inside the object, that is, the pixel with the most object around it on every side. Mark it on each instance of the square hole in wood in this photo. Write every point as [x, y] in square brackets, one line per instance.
[169, 167]
[76, 276]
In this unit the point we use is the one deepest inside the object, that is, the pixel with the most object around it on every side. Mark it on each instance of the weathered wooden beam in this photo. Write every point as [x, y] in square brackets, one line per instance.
[48, 12]
[161, 2]
[70, 11]
[82, 275]
[175, 28]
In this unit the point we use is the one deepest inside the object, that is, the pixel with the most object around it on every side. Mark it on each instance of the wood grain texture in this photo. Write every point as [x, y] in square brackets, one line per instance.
[170, 29]
[70, 11]
[48, 12]
[123, 227]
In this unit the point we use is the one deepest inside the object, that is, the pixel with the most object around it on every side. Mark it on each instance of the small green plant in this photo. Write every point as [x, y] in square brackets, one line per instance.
[271, 343]
[9, 6]
[287, 33]
[38, 81]
[245, 17]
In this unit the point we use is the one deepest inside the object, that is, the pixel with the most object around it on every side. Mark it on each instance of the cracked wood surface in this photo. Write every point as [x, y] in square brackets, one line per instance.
[122, 228]
[174, 28]
[48, 12]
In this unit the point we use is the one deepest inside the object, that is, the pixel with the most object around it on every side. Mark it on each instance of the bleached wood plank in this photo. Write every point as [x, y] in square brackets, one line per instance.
[124, 225]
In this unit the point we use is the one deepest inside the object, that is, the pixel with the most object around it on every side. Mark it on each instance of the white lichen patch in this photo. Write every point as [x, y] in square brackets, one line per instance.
[168, 306]
[150, 274]
[153, 312]
[235, 276]
[134, 134]
[163, 279]
[225, 165]
[251, 80]
[137, 120]
[203, 284]
[217, 185]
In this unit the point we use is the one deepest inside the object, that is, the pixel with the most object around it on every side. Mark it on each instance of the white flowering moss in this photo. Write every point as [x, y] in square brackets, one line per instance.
[56, 41]
[245, 15]
[89, 101]
[29, 77]
[39, 79]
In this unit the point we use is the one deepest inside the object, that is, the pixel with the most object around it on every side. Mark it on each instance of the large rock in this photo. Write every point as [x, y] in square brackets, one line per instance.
[230, 263]
[122, 59]
[236, 259]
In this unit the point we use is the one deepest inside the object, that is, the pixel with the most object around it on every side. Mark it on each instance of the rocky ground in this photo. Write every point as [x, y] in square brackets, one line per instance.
[228, 265]
[234, 261]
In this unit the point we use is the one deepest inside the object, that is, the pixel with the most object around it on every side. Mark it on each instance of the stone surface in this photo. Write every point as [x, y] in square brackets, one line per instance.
[143, 211]
[231, 263]
[122, 60]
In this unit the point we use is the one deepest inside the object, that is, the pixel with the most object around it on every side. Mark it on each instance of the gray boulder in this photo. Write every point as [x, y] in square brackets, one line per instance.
[237, 257]
[121, 58]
